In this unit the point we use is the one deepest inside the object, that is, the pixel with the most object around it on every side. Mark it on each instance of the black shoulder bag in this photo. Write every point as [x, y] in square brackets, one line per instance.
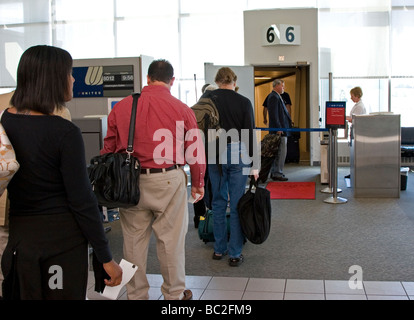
[255, 213]
[115, 176]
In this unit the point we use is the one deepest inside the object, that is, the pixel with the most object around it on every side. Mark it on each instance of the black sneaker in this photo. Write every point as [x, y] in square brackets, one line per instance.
[279, 178]
[218, 256]
[235, 262]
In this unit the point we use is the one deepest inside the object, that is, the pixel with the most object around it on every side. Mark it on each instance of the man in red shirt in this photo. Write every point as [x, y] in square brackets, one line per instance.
[166, 137]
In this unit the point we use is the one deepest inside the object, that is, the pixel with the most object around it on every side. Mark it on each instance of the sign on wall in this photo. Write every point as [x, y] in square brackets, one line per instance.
[281, 34]
[103, 81]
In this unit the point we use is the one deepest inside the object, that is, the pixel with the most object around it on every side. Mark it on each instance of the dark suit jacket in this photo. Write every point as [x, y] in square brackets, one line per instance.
[278, 115]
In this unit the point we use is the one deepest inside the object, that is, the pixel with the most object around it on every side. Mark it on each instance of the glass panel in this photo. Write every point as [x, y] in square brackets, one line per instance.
[186, 90]
[145, 8]
[13, 42]
[402, 100]
[274, 4]
[375, 95]
[355, 44]
[402, 3]
[86, 39]
[24, 11]
[86, 33]
[358, 39]
[11, 12]
[69, 10]
[202, 41]
[355, 5]
[160, 40]
[402, 46]
[212, 6]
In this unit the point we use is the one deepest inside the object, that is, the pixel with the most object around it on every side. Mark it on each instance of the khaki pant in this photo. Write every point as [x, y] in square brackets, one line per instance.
[163, 208]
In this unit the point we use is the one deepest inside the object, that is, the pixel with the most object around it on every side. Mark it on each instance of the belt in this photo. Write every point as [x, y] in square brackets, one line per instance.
[159, 170]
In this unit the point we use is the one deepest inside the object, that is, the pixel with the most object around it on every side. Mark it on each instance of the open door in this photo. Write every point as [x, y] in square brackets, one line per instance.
[297, 86]
[255, 83]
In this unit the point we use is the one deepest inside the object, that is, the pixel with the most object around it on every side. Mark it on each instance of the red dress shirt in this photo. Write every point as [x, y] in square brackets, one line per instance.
[166, 132]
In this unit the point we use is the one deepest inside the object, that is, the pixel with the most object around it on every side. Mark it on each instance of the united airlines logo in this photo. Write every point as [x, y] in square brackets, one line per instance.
[94, 76]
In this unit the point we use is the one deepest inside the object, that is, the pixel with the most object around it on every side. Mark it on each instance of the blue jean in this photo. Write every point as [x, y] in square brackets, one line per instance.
[231, 184]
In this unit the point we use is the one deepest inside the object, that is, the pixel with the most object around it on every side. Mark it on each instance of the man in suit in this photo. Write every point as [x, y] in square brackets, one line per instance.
[278, 118]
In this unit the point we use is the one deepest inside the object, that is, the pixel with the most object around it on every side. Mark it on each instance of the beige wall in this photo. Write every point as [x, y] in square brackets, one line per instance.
[257, 55]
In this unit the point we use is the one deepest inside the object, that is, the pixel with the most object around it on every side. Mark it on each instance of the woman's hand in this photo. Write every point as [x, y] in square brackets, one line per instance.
[115, 273]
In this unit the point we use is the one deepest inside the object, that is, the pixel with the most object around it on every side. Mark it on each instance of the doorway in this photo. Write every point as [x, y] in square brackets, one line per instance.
[297, 85]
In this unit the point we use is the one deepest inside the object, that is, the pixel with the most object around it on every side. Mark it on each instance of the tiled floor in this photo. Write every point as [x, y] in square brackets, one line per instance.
[232, 288]
[249, 288]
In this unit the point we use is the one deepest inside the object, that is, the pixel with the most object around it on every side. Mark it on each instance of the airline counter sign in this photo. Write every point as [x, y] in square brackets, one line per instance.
[103, 81]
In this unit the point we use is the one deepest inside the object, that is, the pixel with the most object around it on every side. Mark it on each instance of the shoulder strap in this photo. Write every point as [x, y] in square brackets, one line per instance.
[130, 147]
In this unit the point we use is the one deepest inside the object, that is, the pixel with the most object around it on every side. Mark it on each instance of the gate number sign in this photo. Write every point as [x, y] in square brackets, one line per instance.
[281, 34]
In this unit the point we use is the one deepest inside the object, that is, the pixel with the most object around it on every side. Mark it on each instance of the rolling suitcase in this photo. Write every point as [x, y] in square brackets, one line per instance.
[292, 154]
[205, 226]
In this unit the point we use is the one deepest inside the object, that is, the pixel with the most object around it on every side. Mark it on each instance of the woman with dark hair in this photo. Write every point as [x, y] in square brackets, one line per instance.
[53, 211]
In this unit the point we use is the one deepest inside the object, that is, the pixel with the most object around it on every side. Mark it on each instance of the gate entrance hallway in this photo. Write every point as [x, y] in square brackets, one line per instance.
[297, 86]
[255, 82]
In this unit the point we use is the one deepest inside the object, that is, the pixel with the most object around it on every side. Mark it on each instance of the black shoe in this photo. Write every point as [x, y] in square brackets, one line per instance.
[235, 262]
[218, 256]
[281, 178]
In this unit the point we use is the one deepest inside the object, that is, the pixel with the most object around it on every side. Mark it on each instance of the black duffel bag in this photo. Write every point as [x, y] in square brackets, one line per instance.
[255, 213]
[115, 176]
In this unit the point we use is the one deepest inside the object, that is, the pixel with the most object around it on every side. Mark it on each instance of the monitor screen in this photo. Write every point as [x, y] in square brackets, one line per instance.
[103, 81]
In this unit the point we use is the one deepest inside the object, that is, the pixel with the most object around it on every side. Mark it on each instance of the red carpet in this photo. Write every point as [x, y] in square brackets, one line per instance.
[291, 190]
